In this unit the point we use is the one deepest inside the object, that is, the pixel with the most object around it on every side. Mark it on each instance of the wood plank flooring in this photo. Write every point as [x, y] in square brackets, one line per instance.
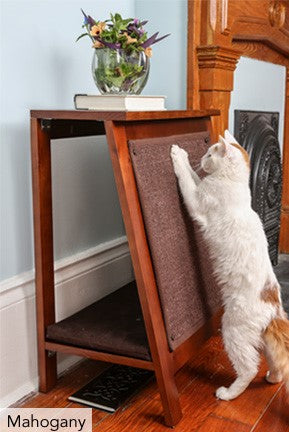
[262, 407]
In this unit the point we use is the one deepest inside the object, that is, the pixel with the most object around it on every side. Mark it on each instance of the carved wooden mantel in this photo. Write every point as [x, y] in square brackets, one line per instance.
[219, 32]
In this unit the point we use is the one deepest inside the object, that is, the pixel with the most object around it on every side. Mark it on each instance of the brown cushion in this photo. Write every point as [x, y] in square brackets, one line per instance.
[188, 292]
[114, 324]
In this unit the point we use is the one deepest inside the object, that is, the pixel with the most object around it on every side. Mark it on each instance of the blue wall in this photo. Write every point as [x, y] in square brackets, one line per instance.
[169, 62]
[42, 67]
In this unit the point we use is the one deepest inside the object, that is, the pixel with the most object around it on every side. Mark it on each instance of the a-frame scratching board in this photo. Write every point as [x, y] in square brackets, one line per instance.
[158, 322]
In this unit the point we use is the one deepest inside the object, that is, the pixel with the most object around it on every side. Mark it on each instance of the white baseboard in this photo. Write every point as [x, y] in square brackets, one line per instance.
[79, 281]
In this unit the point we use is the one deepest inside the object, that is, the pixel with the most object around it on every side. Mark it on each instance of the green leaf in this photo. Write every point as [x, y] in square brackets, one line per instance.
[122, 26]
[81, 36]
[127, 21]
[116, 81]
[143, 38]
[117, 17]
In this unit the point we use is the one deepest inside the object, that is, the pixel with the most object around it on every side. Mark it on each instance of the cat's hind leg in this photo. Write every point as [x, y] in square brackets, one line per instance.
[273, 375]
[245, 359]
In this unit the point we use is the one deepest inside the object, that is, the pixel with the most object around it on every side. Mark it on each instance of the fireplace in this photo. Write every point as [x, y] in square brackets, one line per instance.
[257, 132]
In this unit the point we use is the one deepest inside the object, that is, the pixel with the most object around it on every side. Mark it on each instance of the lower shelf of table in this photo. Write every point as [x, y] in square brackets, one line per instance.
[112, 325]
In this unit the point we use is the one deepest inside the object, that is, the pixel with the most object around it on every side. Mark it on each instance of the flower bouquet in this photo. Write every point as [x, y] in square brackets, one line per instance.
[122, 50]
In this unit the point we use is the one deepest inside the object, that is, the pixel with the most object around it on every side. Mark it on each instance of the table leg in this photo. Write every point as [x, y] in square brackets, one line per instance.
[43, 246]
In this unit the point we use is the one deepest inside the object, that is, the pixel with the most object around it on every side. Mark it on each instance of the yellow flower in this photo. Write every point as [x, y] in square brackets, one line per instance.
[129, 39]
[97, 44]
[148, 52]
[96, 30]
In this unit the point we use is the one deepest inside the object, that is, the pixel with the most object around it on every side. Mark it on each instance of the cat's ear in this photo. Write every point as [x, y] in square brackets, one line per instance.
[229, 137]
[222, 149]
[225, 147]
[222, 140]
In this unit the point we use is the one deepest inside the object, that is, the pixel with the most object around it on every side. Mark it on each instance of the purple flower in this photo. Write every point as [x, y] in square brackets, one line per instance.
[109, 44]
[91, 21]
[150, 40]
[85, 17]
[133, 29]
[88, 20]
[153, 39]
[130, 31]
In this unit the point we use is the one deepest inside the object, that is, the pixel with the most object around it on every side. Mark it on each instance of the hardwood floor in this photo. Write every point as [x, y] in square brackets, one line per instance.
[262, 407]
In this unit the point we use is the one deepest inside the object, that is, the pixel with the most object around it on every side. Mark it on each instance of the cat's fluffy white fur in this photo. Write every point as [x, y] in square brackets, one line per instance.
[253, 315]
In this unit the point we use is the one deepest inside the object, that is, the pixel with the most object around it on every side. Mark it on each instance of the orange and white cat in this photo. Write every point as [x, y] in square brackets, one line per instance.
[253, 318]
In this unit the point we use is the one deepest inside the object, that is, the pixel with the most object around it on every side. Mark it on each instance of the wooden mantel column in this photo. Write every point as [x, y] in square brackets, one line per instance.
[219, 32]
[216, 77]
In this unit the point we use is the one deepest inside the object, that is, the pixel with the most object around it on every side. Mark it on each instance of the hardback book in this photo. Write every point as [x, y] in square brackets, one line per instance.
[119, 102]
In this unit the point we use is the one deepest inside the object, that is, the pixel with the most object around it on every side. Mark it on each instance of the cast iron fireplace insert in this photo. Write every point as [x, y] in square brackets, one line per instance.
[257, 132]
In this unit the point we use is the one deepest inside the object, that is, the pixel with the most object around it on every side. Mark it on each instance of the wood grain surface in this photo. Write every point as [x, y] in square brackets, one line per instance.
[261, 408]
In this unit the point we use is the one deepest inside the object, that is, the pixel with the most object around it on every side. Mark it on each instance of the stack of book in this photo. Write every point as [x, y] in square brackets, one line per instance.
[119, 102]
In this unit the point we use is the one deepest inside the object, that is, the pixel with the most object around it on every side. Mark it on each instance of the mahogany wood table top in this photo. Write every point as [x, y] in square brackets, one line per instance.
[120, 115]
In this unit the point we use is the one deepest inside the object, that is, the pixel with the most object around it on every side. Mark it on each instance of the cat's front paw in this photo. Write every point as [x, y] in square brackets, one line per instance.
[177, 156]
[178, 152]
[223, 393]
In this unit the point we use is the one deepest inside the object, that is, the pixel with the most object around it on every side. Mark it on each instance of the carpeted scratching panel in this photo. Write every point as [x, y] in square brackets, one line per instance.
[187, 290]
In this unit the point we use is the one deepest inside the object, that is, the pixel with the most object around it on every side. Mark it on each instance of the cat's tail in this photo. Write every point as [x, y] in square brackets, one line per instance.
[276, 337]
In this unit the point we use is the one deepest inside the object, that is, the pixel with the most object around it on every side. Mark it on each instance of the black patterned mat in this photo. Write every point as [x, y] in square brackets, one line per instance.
[112, 388]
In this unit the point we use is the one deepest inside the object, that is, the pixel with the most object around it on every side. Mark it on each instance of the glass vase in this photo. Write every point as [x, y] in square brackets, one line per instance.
[115, 71]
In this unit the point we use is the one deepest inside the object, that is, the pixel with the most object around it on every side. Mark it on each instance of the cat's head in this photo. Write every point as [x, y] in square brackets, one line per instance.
[226, 154]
